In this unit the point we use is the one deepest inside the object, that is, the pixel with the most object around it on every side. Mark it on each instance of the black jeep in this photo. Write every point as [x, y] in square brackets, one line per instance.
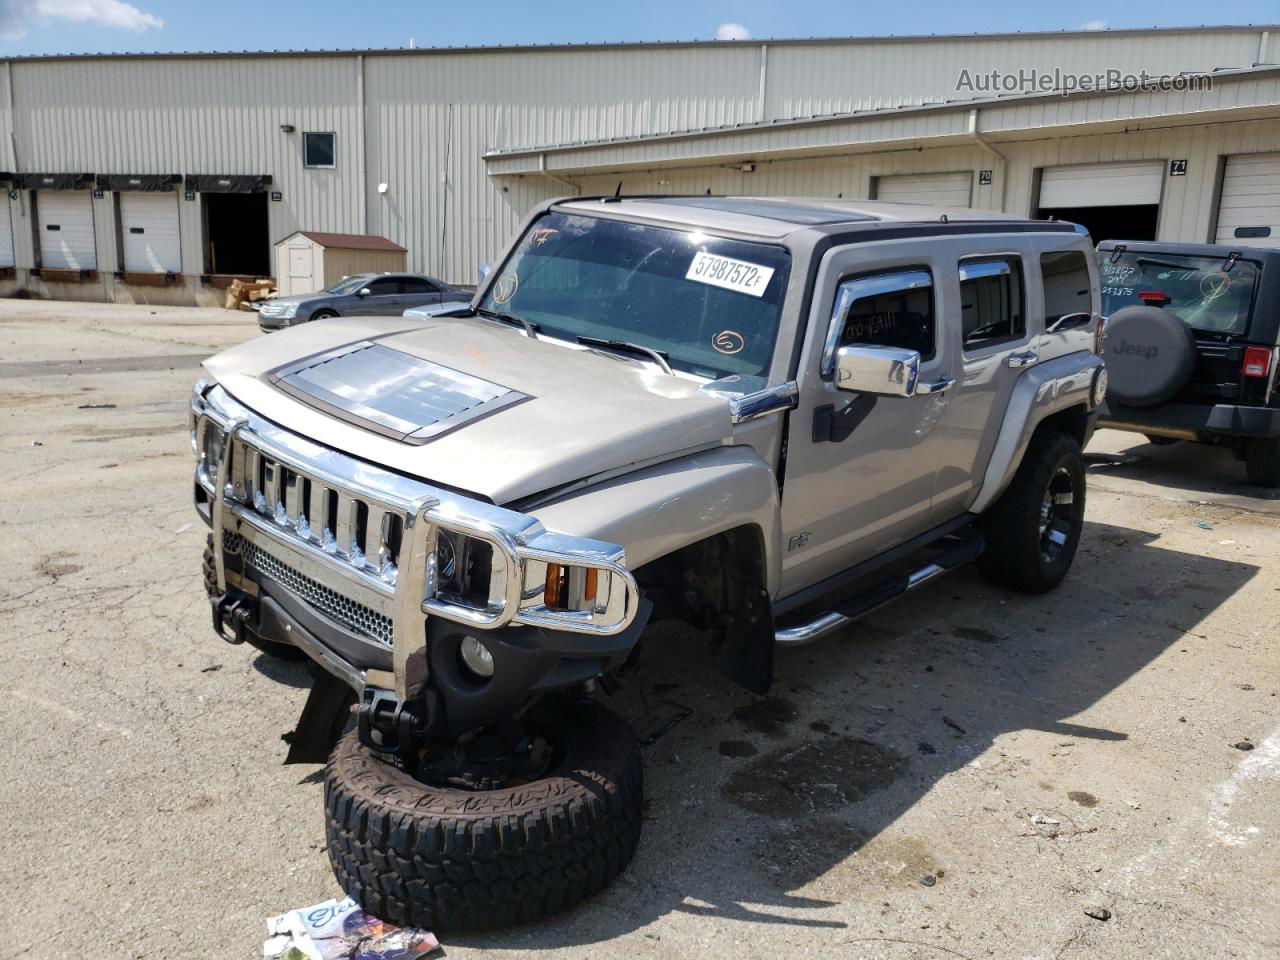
[1191, 348]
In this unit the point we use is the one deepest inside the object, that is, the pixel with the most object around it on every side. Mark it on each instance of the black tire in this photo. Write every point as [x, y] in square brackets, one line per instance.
[1160, 441]
[281, 651]
[452, 859]
[1021, 552]
[323, 314]
[1262, 461]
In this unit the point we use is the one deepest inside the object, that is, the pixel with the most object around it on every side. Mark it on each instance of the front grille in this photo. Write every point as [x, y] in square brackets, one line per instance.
[352, 529]
[355, 616]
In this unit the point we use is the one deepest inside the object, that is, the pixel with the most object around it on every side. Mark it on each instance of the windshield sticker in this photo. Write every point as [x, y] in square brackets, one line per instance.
[728, 342]
[731, 274]
[505, 288]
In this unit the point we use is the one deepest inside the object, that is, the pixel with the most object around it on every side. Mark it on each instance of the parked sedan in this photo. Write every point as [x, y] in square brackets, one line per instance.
[365, 294]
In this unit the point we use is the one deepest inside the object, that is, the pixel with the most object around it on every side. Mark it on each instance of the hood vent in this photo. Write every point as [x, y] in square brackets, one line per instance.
[392, 393]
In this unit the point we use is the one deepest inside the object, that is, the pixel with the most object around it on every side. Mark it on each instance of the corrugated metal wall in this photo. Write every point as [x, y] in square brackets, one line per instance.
[1186, 205]
[428, 117]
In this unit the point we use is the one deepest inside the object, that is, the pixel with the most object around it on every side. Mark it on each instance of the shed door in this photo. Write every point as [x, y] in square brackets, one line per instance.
[936, 189]
[149, 228]
[66, 230]
[6, 233]
[1249, 211]
[302, 269]
[1102, 185]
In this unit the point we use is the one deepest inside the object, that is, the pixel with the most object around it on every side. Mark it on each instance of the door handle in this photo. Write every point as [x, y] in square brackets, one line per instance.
[938, 386]
[1024, 359]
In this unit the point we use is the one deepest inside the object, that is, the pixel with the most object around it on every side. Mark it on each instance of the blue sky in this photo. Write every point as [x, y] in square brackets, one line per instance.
[62, 26]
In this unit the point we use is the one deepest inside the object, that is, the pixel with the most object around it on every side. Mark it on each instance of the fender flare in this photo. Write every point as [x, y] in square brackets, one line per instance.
[1047, 388]
[659, 509]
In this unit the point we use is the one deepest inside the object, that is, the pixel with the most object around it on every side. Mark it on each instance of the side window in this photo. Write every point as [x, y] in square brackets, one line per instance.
[414, 285]
[991, 309]
[383, 286]
[886, 310]
[1066, 284]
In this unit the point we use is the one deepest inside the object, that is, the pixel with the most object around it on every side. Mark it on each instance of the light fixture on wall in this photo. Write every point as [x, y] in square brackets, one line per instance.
[287, 128]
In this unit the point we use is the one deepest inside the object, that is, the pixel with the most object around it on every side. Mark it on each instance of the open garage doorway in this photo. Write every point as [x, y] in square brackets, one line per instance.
[237, 239]
[1113, 201]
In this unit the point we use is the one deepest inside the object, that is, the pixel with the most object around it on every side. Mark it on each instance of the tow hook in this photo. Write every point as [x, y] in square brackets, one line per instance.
[387, 724]
[235, 609]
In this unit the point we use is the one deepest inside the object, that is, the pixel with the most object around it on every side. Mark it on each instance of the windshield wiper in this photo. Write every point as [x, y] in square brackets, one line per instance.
[1145, 261]
[530, 329]
[657, 356]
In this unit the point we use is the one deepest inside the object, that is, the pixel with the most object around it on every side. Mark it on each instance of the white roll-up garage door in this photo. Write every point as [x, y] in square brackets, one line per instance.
[936, 189]
[1250, 200]
[149, 229]
[6, 233]
[1101, 185]
[66, 230]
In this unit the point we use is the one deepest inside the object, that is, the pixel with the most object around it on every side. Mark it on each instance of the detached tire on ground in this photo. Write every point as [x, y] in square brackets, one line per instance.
[1032, 531]
[452, 859]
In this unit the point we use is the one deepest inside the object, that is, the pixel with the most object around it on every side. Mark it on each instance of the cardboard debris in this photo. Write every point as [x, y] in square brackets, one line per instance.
[340, 930]
[242, 291]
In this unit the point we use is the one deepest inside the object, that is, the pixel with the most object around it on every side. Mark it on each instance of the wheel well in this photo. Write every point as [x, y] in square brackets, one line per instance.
[1073, 421]
[698, 581]
[718, 584]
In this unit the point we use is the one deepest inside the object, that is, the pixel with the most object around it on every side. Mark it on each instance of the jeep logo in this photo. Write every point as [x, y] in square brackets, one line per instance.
[1137, 350]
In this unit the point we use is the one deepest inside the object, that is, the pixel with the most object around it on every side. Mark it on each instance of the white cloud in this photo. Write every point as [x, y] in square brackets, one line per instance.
[732, 31]
[19, 16]
[1094, 25]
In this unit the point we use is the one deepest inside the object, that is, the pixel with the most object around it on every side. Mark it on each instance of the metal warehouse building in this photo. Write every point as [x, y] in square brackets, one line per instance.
[160, 177]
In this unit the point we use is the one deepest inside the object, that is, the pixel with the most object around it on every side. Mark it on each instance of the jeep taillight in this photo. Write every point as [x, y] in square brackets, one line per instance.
[1099, 329]
[1257, 362]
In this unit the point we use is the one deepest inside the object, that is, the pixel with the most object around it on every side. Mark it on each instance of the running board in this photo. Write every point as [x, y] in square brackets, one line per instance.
[859, 605]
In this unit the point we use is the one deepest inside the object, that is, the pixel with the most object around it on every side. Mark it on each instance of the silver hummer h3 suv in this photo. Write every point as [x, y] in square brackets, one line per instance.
[764, 417]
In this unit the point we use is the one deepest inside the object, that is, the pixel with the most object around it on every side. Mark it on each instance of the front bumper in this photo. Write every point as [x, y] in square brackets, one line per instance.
[338, 558]
[1191, 421]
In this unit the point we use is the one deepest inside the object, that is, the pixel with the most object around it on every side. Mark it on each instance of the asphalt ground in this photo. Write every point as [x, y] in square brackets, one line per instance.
[969, 773]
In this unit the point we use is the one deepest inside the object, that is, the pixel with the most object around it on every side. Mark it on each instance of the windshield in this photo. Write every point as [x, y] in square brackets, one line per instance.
[348, 284]
[1199, 292]
[710, 305]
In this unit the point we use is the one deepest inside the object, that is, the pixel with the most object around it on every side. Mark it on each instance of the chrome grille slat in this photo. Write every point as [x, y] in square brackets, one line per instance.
[338, 607]
[359, 531]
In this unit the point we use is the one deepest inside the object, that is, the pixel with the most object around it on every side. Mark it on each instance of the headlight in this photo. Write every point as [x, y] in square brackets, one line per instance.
[289, 310]
[483, 575]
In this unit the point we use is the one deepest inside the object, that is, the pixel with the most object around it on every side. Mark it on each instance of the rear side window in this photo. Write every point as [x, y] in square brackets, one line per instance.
[414, 285]
[1205, 293]
[991, 309]
[1066, 284]
[887, 310]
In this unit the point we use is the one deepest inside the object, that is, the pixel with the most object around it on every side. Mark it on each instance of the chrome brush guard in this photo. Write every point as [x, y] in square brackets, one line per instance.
[358, 544]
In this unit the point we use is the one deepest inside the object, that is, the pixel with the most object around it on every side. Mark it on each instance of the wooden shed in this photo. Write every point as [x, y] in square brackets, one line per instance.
[308, 260]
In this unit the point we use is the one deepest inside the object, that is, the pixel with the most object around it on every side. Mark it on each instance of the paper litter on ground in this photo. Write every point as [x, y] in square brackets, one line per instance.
[340, 930]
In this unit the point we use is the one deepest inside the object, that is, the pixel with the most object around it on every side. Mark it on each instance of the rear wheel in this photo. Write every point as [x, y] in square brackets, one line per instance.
[450, 855]
[1262, 461]
[1032, 531]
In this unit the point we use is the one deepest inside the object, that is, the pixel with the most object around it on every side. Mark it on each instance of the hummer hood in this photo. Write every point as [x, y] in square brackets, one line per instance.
[469, 404]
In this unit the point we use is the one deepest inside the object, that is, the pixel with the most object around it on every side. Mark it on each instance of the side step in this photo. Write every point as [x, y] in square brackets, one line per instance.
[955, 555]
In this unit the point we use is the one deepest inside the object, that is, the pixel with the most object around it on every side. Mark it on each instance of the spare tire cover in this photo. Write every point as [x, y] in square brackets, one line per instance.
[1150, 355]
